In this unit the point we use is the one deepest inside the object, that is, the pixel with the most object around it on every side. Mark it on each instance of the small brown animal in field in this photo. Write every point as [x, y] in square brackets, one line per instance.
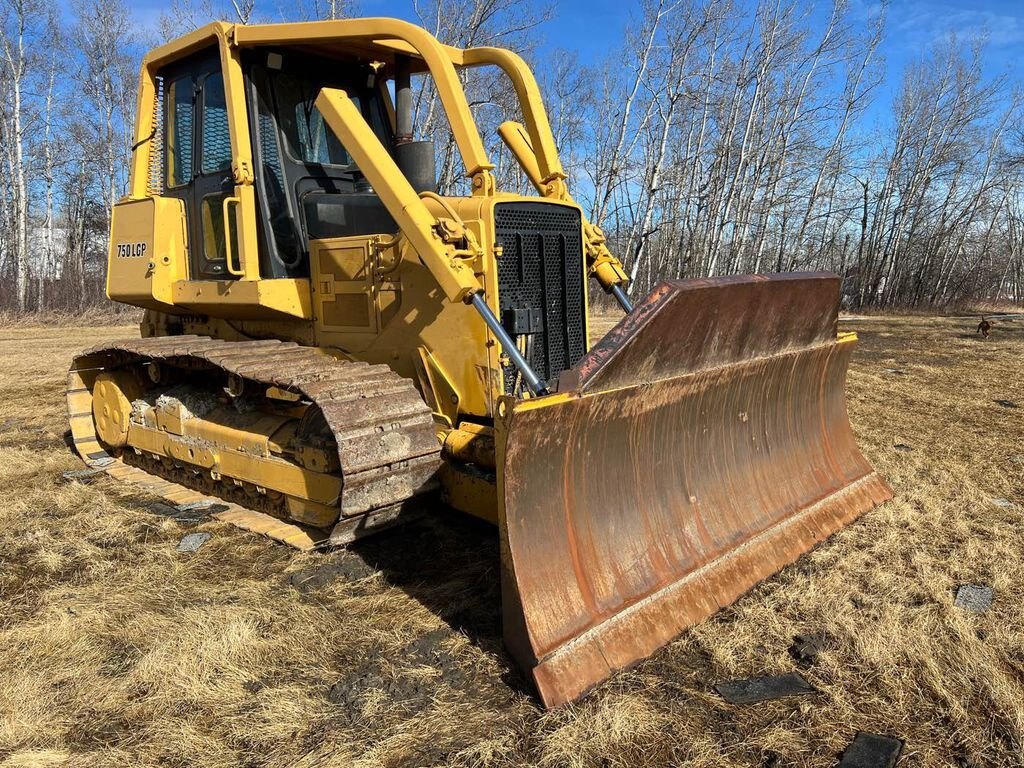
[984, 327]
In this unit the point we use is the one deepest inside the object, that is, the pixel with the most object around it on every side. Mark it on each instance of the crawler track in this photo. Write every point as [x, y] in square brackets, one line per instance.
[383, 430]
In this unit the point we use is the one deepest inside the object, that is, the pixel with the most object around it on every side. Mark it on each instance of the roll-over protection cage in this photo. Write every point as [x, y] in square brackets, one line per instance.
[376, 39]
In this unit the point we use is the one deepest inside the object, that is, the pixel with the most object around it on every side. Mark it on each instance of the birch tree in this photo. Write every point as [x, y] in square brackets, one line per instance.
[716, 137]
[20, 28]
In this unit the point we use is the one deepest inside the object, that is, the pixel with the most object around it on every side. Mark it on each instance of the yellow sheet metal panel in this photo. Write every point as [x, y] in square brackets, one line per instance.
[246, 299]
[148, 252]
[343, 284]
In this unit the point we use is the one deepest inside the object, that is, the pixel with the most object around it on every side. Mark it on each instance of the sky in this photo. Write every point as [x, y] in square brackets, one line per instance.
[593, 28]
[914, 26]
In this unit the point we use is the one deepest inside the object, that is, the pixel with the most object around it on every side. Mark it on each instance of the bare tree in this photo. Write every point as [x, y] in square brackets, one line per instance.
[720, 136]
[20, 21]
[107, 79]
[946, 181]
[181, 16]
[468, 24]
[46, 261]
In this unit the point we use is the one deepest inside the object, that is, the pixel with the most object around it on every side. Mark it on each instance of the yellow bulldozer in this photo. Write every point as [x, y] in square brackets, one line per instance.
[326, 340]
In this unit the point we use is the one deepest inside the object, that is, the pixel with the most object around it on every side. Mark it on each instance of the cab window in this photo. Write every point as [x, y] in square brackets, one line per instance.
[180, 106]
[307, 137]
[216, 136]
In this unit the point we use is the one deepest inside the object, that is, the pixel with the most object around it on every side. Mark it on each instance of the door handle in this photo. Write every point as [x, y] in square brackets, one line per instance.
[228, 256]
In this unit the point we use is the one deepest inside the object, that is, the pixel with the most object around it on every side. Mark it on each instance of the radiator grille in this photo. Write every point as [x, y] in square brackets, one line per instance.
[541, 267]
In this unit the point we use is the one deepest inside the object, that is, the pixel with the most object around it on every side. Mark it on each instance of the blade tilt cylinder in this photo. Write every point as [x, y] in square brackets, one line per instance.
[532, 379]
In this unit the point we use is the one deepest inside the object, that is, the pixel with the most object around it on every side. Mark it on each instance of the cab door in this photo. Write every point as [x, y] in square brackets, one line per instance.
[214, 183]
[198, 164]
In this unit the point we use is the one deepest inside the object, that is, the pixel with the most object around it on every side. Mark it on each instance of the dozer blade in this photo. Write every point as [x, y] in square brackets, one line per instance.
[702, 445]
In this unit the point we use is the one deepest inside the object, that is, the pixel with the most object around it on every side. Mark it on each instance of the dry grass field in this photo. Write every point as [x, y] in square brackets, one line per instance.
[116, 650]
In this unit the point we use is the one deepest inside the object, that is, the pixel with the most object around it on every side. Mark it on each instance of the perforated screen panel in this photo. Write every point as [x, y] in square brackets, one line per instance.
[268, 152]
[216, 139]
[155, 177]
[541, 268]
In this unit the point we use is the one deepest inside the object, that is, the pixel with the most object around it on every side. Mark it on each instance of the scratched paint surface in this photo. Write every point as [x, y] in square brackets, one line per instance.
[704, 446]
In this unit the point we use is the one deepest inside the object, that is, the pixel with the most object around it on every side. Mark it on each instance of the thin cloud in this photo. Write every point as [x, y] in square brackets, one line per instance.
[922, 24]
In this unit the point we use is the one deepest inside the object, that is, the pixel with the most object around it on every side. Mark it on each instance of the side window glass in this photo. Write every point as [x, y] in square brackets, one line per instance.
[213, 231]
[216, 137]
[317, 143]
[180, 108]
[281, 223]
[307, 137]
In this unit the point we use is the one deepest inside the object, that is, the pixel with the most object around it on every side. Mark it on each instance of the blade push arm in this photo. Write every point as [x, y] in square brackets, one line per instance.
[434, 239]
[601, 263]
[431, 237]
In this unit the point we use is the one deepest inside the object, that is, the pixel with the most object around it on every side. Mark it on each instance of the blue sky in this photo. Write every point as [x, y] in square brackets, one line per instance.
[914, 26]
[594, 29]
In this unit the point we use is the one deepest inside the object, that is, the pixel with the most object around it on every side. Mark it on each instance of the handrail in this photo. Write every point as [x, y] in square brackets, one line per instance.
[239, 272]
[530, 102]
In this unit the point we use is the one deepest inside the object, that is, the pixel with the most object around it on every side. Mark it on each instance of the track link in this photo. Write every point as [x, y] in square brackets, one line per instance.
[387, 447]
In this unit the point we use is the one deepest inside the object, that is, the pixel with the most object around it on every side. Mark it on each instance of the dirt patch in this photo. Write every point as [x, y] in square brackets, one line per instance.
[345, 566]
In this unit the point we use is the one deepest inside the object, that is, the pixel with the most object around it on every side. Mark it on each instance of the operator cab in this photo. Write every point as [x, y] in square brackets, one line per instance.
[307, 186]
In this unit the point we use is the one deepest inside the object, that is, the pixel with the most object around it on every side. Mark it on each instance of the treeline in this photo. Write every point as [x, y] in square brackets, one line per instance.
[722, 136]
[66, 97]
[739, 138]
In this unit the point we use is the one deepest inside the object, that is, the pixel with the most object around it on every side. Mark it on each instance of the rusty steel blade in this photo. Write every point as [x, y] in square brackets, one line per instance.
[697, 449]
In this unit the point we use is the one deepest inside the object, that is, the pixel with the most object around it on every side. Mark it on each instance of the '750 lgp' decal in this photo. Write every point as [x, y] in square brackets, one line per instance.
[131, 250]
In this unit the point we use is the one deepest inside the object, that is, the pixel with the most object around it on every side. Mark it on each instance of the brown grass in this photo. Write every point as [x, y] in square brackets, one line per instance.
[108, 314]
[974, 308]
[115, 650]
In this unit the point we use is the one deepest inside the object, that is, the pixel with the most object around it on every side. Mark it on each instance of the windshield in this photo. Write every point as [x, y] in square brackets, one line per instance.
[307, 137]
[288, 93]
